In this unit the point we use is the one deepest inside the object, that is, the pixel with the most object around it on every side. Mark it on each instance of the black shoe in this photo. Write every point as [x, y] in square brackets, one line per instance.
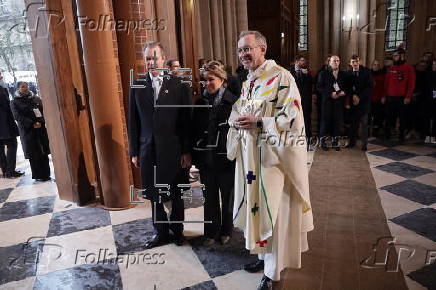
[364, 148]
[43, 179]
[325, 148]
[351, 145]
[13, 174]
[337, 148]
[179, 239]
[265, 283]
[156, 241]
[254, 267]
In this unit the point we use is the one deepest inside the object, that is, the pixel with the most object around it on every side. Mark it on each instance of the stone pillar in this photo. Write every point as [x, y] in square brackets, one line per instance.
[106, 101]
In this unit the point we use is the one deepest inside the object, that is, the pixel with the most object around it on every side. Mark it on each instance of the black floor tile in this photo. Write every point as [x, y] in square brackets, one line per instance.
[26, 208]
[426, 276]
[421, 221]
[220, 259]
[131, 237]
[404, 169]
[207, 285]
[393, 154]
[4, 194]
[412, 190]
[89, 276]
[19, 261]
[78, 219]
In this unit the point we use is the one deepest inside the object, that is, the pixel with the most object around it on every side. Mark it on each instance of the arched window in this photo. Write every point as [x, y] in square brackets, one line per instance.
[302, 43]
[397, 13]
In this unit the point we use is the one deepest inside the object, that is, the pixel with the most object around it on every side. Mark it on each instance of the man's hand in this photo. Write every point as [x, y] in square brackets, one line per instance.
[383, 100]
[37, 125]
[247, 122]
[304, 70]
[406, 101]
[341, 94]
[334, 95]
[314, 97]
[185, 160]
[135, 160]
[356, 100]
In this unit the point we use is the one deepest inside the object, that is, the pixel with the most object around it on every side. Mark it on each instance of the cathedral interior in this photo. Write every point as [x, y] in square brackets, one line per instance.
[87, 225]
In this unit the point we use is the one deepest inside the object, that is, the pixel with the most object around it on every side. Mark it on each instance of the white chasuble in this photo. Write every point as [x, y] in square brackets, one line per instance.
[271, 177]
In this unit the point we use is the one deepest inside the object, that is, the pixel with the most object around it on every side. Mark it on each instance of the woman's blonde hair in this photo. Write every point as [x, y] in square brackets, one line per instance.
[215, 68]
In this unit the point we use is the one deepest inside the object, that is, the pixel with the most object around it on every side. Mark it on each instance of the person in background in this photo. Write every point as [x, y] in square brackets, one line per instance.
[429, 106]
[415, 119]
[332, 85]
[217, 173]
[242, 74]
[173, 65]
[8, 135]
[303, 78]
[377, 108]
[429, 57]
[399, 87]
[27, 110]
[318, 95]
[359, 94]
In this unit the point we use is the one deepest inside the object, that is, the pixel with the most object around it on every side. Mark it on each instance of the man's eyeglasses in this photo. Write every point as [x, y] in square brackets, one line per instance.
[246, 49]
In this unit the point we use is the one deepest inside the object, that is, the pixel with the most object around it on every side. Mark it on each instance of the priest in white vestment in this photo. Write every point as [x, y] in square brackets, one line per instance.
[267, 139]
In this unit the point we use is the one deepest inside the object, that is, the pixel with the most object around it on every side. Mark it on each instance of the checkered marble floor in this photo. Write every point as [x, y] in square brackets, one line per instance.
[47, 243]
[405, 176]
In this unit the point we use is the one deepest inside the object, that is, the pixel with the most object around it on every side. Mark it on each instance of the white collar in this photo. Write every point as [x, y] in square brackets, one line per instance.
[152, 77]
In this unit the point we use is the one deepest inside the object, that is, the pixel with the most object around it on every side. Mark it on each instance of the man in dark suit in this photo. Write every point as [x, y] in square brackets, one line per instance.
[332, 85]
[159, 142]
[359, 99]
[8, 135]
[303, 78]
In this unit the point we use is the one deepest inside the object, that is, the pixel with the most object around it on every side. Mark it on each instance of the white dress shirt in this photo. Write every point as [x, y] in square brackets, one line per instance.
[156, 82]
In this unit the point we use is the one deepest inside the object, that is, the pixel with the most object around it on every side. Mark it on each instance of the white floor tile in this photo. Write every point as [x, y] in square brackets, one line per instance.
[21, 230]
[238, 280]
[83, 247]
[181, 268]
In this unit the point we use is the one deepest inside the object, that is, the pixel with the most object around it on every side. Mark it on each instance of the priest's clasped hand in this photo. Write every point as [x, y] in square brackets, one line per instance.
[247, 122]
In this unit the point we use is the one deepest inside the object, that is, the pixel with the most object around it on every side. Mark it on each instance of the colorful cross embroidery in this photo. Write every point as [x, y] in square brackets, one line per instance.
[261, 243]
[250, 177]
[255, 209]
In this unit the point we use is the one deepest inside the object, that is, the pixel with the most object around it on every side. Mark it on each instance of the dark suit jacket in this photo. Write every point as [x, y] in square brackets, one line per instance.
[159, 135]
[362, 87]
[325, 83]
[8, 127]
[210, 130]
[304, 84]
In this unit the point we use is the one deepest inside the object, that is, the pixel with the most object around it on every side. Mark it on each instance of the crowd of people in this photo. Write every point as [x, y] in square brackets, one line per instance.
[374, 99]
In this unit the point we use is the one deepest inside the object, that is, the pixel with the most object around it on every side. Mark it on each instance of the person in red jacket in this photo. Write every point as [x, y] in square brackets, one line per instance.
[377, 108]
[399, 87]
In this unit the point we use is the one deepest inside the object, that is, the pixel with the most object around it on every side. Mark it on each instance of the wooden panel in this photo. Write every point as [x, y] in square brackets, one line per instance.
[57, 92]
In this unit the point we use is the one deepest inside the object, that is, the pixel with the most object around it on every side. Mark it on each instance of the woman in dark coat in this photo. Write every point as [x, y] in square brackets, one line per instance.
[27, 110]
[210, 138]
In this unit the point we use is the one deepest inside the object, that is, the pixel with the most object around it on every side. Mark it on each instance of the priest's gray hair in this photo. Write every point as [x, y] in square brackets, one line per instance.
[260, 39]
